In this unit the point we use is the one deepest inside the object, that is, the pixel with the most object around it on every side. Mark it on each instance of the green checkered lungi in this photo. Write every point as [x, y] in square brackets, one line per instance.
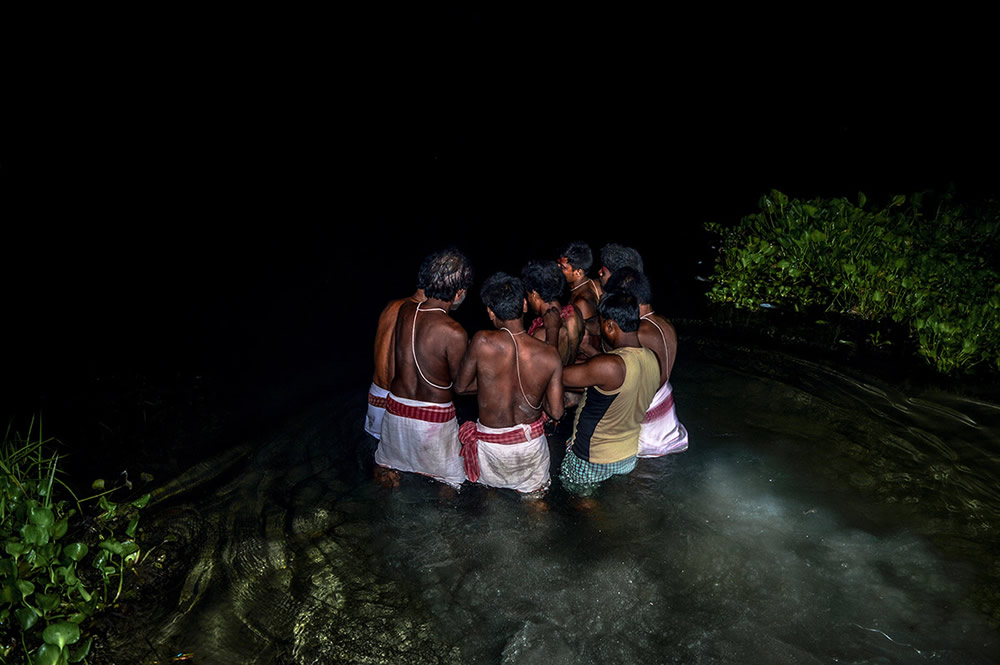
[581, 477]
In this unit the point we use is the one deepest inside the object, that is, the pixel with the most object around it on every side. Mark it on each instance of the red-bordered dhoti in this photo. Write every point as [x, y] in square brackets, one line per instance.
[421, 437]
[376, 410]
[514, 457]
[661, 433]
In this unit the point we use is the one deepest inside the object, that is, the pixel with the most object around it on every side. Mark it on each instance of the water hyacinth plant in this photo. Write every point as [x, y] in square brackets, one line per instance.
[922, 262]
[51, 581]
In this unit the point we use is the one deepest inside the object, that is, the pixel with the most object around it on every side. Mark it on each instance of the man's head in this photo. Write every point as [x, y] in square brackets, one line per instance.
[575, 260]
[618, 314]
[615, 256]
[631, 281]
[543, 281]
[446, 275]
[503, 296]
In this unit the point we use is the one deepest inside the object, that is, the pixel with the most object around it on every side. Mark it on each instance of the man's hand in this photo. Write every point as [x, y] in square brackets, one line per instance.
[553, 322]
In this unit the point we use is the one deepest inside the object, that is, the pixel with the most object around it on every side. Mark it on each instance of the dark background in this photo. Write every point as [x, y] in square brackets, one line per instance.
[237, 196]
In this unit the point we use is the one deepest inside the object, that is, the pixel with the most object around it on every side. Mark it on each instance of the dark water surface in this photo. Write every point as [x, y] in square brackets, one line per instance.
[819, 516]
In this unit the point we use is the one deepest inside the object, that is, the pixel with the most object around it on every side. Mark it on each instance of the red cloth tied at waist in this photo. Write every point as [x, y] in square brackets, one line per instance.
[426, 413]
[660, 410]
[376, 401]
[470, 436]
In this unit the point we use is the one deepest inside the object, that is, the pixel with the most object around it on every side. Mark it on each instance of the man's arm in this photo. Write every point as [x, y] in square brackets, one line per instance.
[587, 309]
[553, 323]
[456, 345]
[466, 382]
[605, 371]
[554, 394]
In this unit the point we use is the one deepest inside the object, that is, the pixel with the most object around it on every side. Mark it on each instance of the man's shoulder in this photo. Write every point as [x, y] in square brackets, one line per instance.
[540, 348]
[485, 338]
[648, 356]
[400, 305]
[661, 320]
[452, 327]
[656, 325]
[392, 307]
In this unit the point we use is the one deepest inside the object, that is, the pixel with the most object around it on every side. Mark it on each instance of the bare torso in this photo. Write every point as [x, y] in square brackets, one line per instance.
[512, 388]
[658, 335]
[384, 338]
[585, 297]
[436, 341]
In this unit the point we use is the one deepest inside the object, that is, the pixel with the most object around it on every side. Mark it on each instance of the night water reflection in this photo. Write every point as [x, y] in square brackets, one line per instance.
[817, 517]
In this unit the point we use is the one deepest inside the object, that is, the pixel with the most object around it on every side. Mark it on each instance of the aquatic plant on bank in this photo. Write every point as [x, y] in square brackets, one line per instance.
[60, 564]
[922, 262]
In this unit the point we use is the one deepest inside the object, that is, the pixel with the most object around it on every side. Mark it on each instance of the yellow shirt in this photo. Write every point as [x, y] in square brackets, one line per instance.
[606, 426]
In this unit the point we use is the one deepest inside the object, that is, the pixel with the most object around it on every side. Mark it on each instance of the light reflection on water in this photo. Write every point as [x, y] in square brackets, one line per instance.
[815, 518]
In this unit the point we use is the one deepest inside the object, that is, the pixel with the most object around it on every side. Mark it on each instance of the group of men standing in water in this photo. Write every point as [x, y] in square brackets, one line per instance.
[604, 353]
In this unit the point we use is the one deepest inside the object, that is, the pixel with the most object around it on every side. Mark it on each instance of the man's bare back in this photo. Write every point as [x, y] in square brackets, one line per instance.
[500, 364]
[658, 335]
[384, 340]
[425, 330]
[585, 297]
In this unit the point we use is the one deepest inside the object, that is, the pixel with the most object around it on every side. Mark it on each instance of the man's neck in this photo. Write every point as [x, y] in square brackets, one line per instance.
[546, 306]
[435, 303]
[577, 282]
[645, 309]
[627, 340]
[515, 326]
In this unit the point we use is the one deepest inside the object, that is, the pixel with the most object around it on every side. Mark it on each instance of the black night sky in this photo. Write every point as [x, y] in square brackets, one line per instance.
[239, 198]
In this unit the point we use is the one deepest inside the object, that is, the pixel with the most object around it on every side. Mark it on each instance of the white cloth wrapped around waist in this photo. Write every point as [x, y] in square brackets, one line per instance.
[515, 457]
[421, 437]
[661, 433]
[376, 410]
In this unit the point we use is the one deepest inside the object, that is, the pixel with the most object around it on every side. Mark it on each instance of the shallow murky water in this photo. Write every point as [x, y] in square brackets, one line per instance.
[816, 518]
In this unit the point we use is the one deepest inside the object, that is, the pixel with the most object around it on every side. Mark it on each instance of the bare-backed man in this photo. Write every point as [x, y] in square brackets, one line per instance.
[385, 359]
[420, 429]
[556, 324]
[575, 261]
[519, 379]
[661, 432]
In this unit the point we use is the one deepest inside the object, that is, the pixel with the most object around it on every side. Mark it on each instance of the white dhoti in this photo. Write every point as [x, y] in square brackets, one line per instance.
[514, 457]
[661, 433]
[421, 437]
[376, 409]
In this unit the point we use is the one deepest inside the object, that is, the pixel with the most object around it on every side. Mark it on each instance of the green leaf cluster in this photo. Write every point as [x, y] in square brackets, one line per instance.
[923, 262]
[51, 582]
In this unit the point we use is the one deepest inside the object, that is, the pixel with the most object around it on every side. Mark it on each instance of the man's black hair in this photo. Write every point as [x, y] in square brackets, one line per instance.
[544, 277]
[444, 273]
[629, 280]
[622, 308]
[579, 255]
[615, 256]
[504, 294]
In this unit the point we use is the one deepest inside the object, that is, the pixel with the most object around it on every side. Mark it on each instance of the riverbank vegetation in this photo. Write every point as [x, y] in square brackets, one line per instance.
[923, 264]
[64, 558]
